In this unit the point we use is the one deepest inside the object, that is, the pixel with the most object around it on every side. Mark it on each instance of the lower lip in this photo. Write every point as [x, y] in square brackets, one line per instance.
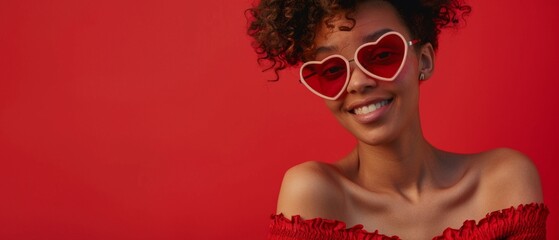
[372, 116]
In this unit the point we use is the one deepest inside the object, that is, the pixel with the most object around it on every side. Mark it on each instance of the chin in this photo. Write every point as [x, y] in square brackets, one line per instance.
[377, 140]
[376, 136]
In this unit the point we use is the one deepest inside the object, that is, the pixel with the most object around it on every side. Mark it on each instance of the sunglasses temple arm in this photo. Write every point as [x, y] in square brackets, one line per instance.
[415, 41]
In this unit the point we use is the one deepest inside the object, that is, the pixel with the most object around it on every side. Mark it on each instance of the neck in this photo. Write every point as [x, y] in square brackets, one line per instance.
[403, 166]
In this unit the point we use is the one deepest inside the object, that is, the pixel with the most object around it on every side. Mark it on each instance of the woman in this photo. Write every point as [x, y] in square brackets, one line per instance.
[367, 59]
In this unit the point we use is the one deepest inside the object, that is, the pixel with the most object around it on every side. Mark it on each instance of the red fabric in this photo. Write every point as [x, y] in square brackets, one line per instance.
[524, 222]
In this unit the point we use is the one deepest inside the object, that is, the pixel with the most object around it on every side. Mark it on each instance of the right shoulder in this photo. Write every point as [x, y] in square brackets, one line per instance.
[311, 189]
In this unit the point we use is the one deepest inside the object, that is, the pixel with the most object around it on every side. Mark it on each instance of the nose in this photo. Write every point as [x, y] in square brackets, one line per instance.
[360, 82]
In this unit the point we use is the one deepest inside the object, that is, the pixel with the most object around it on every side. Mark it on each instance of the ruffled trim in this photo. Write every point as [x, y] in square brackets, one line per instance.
[527, 221]
[318, 228]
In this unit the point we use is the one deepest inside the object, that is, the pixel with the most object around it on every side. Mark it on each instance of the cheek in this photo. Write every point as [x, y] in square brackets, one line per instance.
[334, 106]
[406, 87]
[411, 66]
[408, 79]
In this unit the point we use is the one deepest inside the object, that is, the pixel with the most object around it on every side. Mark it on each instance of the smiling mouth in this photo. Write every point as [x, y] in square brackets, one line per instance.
[371, 107]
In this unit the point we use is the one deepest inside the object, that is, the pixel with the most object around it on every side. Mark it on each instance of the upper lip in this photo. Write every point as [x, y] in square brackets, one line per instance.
[365, 102]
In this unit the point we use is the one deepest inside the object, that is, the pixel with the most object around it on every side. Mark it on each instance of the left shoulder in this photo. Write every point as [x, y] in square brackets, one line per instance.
[508, 178]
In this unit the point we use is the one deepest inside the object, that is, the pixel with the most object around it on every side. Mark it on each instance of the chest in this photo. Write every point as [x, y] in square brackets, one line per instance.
[423, 219]
[417, 223]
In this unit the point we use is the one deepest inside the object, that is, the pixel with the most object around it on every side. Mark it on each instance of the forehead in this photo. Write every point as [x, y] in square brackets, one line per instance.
[372, 19]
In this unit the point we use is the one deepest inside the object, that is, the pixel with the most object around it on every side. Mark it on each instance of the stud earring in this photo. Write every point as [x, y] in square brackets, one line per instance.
[422, 77]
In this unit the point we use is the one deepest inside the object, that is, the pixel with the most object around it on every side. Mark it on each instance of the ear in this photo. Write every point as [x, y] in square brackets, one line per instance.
[427, 60]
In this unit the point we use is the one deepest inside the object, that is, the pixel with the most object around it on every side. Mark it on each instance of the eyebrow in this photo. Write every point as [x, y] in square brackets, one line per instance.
[369, 38]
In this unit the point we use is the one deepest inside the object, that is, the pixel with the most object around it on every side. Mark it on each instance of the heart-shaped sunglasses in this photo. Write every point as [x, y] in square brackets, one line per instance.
[382, 60]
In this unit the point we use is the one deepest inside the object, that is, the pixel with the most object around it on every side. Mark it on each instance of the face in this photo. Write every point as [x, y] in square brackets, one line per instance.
[375, 111]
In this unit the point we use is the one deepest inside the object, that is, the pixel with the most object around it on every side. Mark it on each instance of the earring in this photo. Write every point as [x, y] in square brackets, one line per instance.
[422, 77]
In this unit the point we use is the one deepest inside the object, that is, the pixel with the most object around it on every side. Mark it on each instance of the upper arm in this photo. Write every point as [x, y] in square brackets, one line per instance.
[309, 190]
[513, 179]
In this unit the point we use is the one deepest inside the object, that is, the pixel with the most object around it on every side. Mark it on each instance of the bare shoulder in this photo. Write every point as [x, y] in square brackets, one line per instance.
[310, 189]
[508, 178]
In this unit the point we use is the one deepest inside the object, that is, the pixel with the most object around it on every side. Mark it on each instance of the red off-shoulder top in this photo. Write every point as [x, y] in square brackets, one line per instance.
[524, 222]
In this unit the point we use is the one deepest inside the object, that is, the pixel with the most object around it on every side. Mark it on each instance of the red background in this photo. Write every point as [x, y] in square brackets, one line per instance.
[151, 119]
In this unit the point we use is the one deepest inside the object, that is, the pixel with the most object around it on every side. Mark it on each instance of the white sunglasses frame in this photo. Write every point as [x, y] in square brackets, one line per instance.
[407, 44]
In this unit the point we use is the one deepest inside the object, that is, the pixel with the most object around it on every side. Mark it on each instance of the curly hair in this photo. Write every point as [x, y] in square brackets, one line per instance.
[284, 30]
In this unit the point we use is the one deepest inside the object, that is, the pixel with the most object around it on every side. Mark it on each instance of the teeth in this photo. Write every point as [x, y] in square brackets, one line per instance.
[371, 108]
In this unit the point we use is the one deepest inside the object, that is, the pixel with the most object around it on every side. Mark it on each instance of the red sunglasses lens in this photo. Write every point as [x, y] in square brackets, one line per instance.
[327, 78]
[384, 58]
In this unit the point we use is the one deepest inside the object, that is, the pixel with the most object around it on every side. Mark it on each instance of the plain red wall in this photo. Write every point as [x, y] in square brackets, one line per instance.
[151, 119]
